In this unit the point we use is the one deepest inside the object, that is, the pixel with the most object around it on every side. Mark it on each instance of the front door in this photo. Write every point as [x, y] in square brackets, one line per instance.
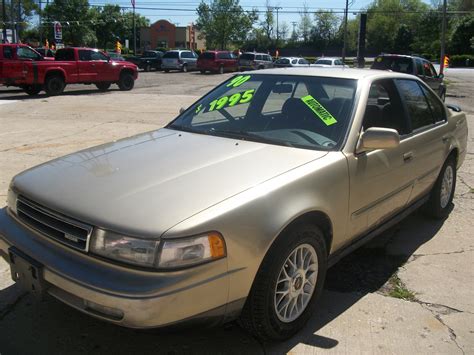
[381, 180]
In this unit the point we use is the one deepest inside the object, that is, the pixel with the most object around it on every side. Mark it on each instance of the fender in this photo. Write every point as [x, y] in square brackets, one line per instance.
[56, 69]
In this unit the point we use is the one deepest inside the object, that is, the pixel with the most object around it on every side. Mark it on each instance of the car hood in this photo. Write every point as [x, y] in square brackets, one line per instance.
[144, 185]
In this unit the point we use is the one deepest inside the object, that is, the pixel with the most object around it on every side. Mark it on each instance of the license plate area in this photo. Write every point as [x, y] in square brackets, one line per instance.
[27, 272]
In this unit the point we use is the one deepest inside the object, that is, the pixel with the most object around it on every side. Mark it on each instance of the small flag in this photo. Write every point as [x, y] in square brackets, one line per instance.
[446, 61]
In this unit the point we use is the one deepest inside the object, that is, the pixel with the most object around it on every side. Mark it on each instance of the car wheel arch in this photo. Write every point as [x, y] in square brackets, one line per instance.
[55, 72]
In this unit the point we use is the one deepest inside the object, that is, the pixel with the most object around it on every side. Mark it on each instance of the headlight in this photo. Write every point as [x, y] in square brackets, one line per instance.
[129, 250]
[11, 199]
[191, 251]
[144, 252]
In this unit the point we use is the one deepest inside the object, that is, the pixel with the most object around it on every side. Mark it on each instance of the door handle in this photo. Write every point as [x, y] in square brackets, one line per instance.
[408, 157]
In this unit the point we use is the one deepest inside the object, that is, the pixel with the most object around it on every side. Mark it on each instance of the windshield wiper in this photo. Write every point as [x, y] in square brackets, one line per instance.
[244, 135]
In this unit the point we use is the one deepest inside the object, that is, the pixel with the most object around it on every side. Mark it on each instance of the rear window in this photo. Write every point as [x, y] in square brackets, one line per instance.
[171, 55]
[247, 56]
[323, 61]
[207, 55]
[398, 64]
[7, 52]
[65, 55]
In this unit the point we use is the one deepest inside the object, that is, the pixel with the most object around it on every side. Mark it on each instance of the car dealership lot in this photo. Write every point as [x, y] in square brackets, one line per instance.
[433, 260]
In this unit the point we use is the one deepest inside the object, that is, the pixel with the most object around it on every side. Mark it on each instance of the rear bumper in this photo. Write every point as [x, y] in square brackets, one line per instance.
[121, 295]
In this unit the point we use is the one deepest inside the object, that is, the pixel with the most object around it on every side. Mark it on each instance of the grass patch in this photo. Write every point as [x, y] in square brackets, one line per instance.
[397, 289]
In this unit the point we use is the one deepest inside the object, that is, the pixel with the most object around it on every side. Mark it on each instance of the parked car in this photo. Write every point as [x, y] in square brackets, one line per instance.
[182, 60]
[115, 56]
[413, 65]
[253, 61]
[148, 61]
[22, 66]
[237, 207]
[327, 62]
[284, 62]
[217, 62]
[45, 52]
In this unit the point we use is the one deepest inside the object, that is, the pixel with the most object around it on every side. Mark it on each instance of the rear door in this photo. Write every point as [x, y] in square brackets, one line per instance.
[426, 142]
[85, 68]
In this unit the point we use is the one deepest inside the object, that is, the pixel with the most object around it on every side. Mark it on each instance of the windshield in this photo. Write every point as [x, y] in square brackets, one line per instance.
[298, 111]
[398, 64]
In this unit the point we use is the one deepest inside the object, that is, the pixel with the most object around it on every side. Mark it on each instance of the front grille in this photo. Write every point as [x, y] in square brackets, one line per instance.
[60, 228]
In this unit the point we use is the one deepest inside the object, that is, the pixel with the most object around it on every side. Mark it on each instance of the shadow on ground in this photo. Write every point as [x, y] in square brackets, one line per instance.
[50, 327]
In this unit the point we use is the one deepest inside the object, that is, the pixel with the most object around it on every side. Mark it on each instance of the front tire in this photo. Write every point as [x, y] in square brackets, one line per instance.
[185, 68]
[126, 81]
[147, 68]
[288, 284]
[54, 85]
[442, 194]
[221, 70]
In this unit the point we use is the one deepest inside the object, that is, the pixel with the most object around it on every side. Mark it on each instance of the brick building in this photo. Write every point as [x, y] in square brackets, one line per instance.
[164, 34]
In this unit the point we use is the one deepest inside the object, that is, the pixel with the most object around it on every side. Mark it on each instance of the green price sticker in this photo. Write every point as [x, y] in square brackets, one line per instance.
[238, 80]
[199, 108]
[319, 110]
[231, 100]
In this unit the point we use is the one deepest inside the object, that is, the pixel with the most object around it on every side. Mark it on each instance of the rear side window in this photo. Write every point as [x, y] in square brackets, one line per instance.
[259, 57]
[84, 55]
[437, 108]
[207, 55]
[417, 106]
[222, 56]
[65, 55]
[303, 61]
[428, 69]
[186, 55]
[171, 55]
[7, 52]
[419, 67]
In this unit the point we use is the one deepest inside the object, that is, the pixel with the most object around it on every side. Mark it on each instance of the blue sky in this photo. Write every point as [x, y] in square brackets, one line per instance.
[168, 9]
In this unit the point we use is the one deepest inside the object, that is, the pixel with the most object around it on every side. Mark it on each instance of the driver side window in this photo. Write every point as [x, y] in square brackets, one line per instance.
[384, 108]
[27, 53]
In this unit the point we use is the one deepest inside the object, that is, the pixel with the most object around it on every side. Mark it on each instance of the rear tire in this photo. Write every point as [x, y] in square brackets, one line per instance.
[203, 72]
[32, 90]
[221, 70]
[126, 81]
[54, 85]
[166, 70]
[104, 86]
[185, 68]
[442, 194]
[299, 283]
[147, 67]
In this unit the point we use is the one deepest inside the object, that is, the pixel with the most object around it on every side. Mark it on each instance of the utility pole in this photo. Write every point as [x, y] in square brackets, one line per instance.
[4, 19]
[12, 22]
[294, 23]
[18, 25]
[278, 32]
[345, 31]
[134, 31]
[40, 24]
[443, 38]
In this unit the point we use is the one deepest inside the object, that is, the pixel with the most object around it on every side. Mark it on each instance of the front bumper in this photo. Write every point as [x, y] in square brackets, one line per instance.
[144, 299]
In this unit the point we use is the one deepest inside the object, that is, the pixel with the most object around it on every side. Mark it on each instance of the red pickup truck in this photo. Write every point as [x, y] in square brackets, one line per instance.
[22, 66]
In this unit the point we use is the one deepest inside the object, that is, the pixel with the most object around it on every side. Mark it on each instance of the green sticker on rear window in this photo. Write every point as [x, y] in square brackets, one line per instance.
[319, 110]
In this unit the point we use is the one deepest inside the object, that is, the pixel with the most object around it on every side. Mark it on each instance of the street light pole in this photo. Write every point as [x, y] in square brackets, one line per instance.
[345, 31]
[40, 24]
[443, 38]
[18, 26]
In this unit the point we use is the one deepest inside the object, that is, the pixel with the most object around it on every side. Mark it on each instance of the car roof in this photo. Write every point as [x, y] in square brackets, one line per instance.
[255, 53]
[401, 56]
[328, 58]
[344, 73]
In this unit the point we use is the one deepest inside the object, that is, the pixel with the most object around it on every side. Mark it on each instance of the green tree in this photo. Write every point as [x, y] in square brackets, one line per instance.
[268, 22]
[224, 22]
[305, 24]
[463, 36]
[77, 21]
[325, 29]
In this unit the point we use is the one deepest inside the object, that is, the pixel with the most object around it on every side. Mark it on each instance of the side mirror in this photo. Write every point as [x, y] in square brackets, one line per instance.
[181, 110]
[378, 138]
